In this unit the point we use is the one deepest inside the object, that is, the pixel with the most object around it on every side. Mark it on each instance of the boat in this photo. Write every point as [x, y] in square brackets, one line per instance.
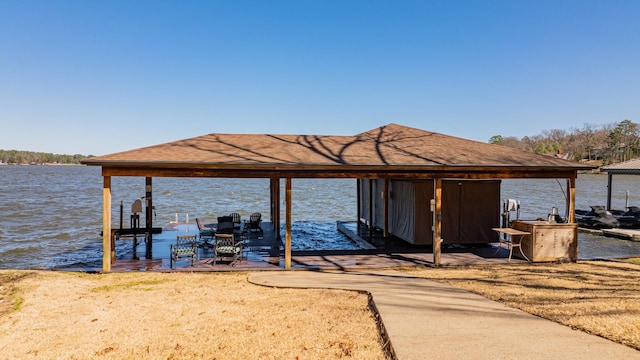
[629, 218]
[596, 218]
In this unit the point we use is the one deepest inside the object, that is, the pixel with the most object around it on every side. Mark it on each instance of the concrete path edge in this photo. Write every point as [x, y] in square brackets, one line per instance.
[424, 319]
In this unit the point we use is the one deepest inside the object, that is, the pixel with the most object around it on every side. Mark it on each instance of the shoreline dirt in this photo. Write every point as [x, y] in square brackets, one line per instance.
[46, 314]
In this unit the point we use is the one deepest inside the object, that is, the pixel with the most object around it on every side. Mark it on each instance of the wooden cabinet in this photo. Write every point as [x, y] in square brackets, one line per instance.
[548, 241]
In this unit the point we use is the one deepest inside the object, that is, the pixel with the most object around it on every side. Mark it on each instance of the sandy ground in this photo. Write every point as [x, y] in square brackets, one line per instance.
[148, 315]
[56, 315]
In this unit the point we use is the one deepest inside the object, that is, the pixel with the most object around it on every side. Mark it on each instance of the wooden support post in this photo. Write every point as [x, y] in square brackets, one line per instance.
[358, 200]
[149, 218]
[287, 244]
[386, 208]
[571, 218]
[571, 215]
[113, 246]
[370, 206]
[275, 204]
[272, 207]
[106, 224]
[437, 221]
[278, 209]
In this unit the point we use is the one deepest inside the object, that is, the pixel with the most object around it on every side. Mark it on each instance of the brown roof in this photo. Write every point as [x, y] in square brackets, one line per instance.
[390, 147]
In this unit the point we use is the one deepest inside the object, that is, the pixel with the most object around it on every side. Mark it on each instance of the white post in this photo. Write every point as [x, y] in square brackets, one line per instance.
[626, 203]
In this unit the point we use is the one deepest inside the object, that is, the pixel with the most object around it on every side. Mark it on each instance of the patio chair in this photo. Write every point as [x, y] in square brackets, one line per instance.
[225, 225]
[237, 220]
[206, 234]
[226, 246]
[253, 226]
[185, 246]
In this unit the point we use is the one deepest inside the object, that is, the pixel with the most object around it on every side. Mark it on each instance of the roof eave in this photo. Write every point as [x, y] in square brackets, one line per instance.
[340, 167]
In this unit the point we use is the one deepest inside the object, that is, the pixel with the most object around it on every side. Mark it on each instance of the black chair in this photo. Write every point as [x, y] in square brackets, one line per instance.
[237, 220]
[225, 225]
[253, 227]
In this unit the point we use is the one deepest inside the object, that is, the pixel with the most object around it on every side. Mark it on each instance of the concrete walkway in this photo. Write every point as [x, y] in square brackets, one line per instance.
[427, 320]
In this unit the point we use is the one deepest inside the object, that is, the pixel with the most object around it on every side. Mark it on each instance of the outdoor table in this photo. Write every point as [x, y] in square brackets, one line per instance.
[513, 239]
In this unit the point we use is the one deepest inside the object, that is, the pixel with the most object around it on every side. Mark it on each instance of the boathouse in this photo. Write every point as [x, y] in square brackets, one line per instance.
[411, 183]
[630, 167]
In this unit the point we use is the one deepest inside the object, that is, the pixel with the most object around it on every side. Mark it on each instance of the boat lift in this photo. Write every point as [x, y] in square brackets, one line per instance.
[509, 205]
[134, 229]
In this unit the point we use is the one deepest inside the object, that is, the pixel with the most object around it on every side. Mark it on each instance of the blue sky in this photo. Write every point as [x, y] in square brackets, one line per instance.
[96, 77]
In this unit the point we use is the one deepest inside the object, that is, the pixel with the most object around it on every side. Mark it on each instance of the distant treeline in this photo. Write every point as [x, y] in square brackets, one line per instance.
[606, 144]
[19, 157]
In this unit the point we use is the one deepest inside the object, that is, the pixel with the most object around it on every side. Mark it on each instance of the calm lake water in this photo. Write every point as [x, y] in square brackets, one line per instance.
[50, 216]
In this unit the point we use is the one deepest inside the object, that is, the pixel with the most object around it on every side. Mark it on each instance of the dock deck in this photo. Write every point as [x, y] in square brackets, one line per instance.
[627, 234]
[266, 253]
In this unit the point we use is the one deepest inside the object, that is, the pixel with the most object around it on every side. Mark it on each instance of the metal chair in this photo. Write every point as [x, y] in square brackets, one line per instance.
[185, 246]
[226, 246]
[206, 234]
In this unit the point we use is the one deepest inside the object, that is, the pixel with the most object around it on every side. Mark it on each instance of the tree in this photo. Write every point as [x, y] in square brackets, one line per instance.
[607, 143]
[496, 139]
[28, 157]
[623, 141]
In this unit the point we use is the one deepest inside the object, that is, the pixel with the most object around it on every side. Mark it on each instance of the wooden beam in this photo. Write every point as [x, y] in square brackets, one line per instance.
[467, 172]
[106, 225]
[385, 194]
[358, 200]
[437, 221]
[272, 206]
[287, 244]
[370, 206]
[571, 216]
[148, 189]
[276, 203]
[113, 247]
[148, 194]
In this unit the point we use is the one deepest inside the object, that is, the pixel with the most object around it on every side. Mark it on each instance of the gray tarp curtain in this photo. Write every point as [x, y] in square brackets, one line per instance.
[401, 220]
[364, 200]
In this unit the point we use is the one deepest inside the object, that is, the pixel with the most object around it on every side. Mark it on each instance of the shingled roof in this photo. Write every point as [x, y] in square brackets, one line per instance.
[630, 167]
[390, 148]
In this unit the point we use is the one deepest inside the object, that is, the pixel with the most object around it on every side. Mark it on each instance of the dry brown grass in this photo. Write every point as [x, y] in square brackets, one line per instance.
[222, 316]
[178, 316]
[598, 297]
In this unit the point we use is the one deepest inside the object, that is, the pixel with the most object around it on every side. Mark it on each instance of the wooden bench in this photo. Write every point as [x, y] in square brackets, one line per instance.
[185, 246]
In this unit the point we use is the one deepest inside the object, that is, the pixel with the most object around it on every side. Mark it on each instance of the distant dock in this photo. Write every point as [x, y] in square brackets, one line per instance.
[626, 234]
